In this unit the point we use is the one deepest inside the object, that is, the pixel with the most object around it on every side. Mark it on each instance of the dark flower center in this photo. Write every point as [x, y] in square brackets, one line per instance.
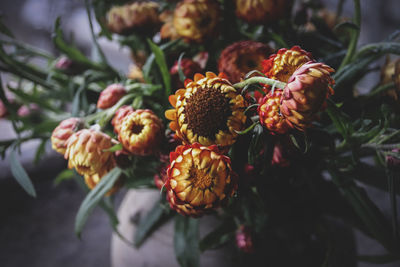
[137, 128]
[207, 111]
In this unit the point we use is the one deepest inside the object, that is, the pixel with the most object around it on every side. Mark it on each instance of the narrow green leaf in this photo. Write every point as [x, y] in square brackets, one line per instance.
[20, 174]
[4, 29]
[63, 176]
[339, 119]
[186, 241]
[182, 76]
[94, 197]
[379, 259]
[162, 64]
[366, 210]
[219, 236]
[153, 219]
[70, 51]
[40, 151]
[114, 148]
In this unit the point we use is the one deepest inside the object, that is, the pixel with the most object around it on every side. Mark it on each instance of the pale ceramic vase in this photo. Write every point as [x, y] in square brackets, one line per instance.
[158, 249]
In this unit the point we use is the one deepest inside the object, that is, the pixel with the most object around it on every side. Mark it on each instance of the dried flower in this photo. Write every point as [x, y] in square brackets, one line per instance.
[199, 179]
[138, 16]
[242, 57]
[196, 20]
[140, 132]
[93, 179]
[63, 132]
[208, 111]
[305, 94]
[262, 11]
[86, 152]
[168, 30]
[391, 73]
[280, 66]
[119, 116]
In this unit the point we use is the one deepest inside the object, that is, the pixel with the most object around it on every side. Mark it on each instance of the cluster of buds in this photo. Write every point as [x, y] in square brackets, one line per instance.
[85, 150]
[308, 85]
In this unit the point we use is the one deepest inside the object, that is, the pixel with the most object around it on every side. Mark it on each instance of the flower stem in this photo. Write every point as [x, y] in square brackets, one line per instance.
[354, 35]
[264, 80]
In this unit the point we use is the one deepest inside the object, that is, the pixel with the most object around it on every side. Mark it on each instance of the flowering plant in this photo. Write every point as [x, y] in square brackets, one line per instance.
[246, 110]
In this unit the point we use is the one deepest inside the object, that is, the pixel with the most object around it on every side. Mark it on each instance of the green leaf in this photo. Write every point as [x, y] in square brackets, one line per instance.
[346, 24]
[70, 51]
[186, 241]
[63, 176]
[219, 236]
[154, 219]
[4, 29]
[379, 259]
[20, 174]
[162, 64]
[340, 120]
[254, 146]
[114, 148]
[182, 76]
[366, 210]
[40, 150]
[94, 197]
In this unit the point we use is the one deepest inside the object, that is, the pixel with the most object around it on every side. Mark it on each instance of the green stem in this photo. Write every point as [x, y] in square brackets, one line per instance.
[354, 36]
[381, 88]
[264, 80]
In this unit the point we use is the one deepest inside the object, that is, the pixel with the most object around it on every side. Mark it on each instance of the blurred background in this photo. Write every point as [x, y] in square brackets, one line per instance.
[39, 232]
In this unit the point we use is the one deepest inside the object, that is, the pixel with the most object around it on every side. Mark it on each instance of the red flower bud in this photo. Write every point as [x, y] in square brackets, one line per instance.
[111, 95]
[244, 240]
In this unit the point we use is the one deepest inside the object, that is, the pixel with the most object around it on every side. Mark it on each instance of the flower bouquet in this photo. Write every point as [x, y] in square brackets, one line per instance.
[247, 110]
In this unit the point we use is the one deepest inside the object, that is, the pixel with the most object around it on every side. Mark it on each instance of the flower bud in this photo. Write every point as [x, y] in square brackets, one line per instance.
[244, 240]
[305, 94]
[189, 69]
[86, 152]
[111, 95]
[63, 132]
[393, 161]
[3, 110]
[28, 110]
[269, 112]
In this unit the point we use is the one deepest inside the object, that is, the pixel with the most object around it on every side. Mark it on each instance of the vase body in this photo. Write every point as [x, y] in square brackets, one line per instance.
[158, 249]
